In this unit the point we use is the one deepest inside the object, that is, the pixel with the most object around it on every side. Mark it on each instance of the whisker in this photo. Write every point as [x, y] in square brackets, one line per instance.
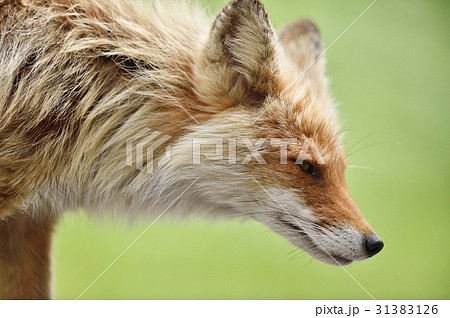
[362, 167]
[367, 136]
[369, 146]
[334, 147]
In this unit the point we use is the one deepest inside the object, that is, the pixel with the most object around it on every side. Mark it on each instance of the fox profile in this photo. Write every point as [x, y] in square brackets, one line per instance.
[79, 78]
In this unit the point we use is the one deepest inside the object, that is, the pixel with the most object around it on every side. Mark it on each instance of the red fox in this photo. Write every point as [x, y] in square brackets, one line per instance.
[82, 80]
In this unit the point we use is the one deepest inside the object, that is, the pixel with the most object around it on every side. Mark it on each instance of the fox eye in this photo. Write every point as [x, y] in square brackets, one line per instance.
[310, 169]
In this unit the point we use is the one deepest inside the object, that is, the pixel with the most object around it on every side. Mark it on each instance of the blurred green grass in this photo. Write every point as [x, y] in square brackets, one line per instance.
[389, 73]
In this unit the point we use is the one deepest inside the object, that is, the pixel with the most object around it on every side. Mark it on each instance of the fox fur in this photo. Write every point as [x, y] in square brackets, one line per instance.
[78, 78]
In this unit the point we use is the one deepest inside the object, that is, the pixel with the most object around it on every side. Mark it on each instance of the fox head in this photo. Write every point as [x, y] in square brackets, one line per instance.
[259, 86]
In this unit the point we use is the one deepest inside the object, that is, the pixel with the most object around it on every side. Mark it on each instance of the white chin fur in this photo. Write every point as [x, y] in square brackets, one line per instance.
[294, 221]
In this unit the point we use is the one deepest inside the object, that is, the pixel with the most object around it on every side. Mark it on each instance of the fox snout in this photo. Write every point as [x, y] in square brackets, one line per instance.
[315, 210]
[343, 233]
[343, 241]
[336, 245]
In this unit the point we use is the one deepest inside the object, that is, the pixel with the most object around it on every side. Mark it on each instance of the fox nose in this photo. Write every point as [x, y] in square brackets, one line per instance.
[373, 245]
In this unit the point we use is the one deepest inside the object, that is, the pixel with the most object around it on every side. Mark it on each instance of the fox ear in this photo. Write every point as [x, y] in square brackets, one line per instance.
[303, 44]
[237, 64]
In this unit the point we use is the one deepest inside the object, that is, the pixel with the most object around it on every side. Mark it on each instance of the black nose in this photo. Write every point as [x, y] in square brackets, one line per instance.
[373, 244]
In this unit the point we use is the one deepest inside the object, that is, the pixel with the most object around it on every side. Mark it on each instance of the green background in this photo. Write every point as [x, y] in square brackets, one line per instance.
[389, 74]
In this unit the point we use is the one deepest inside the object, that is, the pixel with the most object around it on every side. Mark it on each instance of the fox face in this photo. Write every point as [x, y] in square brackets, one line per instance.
[265, 85]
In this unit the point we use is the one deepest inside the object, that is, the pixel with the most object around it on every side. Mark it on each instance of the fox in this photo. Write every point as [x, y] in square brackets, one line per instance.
[80, 79]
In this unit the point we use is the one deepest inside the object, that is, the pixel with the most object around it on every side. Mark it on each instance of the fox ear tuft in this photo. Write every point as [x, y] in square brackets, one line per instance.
[237, 64]
[303, 44]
